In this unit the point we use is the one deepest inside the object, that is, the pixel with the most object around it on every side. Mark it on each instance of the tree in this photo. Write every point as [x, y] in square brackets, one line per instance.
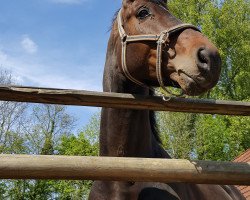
[3, 189]
[78, 146]
[46, 125]
[178, 140]
[217, 137]
[11, 119]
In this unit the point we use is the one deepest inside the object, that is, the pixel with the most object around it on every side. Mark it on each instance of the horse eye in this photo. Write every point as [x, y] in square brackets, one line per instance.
[143, 13]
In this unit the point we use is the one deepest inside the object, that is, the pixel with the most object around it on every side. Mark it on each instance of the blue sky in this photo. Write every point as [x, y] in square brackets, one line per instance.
[56, 43]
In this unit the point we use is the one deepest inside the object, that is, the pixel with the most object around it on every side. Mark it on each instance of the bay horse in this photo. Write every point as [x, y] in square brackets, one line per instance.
[149, 47]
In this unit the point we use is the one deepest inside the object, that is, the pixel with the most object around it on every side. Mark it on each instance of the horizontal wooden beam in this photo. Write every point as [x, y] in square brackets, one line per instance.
[123, 169]
[119, 100]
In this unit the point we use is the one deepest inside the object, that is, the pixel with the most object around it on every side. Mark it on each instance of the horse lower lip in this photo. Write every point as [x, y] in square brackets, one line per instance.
[185, 76]
[192, 87]
[200, 82]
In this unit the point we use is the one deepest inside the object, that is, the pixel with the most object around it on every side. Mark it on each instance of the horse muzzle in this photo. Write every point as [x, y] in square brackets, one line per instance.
[197, 64]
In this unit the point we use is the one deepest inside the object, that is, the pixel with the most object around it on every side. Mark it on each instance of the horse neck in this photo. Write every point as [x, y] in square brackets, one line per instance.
[124, 132]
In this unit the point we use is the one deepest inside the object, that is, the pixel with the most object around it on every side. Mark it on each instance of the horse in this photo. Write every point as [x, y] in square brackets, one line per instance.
[149, 47]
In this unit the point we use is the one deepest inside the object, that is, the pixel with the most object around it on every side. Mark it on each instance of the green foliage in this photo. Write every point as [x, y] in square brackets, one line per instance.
[47, 148]
[26, 190]
[177, 139]
[240, 127]
[71, 189]
[14, 143]
[77, 146]
[3, 189]
[204, 137]
[46, 125]
[220, 137]
[234, 42]
[92, 129]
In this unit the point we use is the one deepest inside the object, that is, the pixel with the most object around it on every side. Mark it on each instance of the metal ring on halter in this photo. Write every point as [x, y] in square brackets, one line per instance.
[168, 98]
[164, 45]
[162, 40]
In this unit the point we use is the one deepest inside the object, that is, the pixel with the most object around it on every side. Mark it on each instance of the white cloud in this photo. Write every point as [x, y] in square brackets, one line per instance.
[30, 72]
[63, 81]
[68, 1]
[29, 45]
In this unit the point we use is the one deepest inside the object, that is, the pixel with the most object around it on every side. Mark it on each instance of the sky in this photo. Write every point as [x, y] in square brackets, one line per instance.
[57, 44]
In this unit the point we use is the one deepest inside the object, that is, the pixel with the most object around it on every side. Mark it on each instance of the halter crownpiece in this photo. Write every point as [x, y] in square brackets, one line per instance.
[162, 39]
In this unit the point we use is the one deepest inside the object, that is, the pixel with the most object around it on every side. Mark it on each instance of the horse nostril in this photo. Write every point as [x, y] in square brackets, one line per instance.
[209, 62]
[203, 55]
[203, 58]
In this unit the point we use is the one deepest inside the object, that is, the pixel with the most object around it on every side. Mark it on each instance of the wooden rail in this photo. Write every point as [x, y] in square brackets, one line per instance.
[123, 169]
[119, 100]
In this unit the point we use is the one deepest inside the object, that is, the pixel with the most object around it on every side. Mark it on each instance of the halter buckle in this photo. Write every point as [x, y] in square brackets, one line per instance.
[164, 37]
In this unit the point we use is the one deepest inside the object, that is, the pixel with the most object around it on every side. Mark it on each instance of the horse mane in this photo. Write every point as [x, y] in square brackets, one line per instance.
[114, 19]
[153, 124]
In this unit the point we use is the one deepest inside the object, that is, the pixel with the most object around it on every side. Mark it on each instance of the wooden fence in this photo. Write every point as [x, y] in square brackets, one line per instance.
[119, 100]
[122, 169]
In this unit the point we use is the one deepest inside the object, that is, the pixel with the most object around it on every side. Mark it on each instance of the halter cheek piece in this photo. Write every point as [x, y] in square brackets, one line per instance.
[162, 40]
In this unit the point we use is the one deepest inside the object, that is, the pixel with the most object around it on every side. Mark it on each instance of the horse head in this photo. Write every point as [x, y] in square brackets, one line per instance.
[157, 49]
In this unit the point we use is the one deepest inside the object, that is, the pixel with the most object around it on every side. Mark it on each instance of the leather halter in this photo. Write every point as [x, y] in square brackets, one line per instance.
[162, 40]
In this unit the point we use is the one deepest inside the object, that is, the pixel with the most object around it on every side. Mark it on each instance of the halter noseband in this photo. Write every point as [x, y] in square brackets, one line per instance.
[162, 39]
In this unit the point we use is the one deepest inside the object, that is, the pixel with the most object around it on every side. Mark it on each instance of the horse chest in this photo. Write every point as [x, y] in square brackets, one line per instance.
[132, 191]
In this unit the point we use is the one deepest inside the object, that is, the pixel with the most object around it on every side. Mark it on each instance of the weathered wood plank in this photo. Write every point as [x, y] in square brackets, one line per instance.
[119, 100]
[123, 169]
